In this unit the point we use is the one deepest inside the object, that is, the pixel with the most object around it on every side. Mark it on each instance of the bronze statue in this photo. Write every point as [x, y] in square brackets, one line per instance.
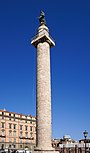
[42, 17]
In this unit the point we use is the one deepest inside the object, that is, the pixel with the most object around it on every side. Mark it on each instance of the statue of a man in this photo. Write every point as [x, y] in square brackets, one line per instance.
[42, 17]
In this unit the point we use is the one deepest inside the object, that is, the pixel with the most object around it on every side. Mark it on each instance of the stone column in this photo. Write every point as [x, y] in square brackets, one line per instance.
[43, 97]
[43, 42]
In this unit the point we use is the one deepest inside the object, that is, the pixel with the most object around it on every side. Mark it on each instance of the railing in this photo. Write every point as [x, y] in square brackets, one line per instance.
[30, 138]
[3, 136]
[39, 34]
[72, 145]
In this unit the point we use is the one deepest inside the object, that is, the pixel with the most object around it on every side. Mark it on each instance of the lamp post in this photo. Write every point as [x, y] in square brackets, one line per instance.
[85, 136]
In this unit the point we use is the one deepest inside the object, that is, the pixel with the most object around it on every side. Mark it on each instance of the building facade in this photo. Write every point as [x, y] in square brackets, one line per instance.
[17, 131]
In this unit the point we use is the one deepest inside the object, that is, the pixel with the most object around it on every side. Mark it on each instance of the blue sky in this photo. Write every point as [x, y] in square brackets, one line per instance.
[69, 24]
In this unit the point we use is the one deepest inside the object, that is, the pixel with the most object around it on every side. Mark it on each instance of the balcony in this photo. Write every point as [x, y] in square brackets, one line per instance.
[29, 138]
[2, 136]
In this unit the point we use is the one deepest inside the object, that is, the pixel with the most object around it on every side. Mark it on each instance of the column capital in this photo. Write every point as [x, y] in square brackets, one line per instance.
[42, 36]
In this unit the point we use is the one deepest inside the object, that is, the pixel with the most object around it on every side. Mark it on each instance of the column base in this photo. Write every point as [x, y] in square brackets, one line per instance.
[45, 151]
[51, 150]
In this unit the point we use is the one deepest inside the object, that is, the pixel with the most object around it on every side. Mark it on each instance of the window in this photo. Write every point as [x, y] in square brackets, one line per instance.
[9, 116]
[20, 118]
[10, 125]
[14, 116]
[2, 140]
[30, 135]
[20, 134]
[26, 140]
[10, 140]
[14, 126]
[10, 133]
[30, 122]
[26, 128]
[20, 146]
[2, 125]
[20, 140]
[21, 127]
[26, 119]
[2, 115]
[14, 133]
[2, 132]
[30, 128]
[2, 146]
[14, 140]
[9, 146]
[26, 134]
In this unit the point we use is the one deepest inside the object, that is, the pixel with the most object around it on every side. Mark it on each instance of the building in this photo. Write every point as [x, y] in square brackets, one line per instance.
[68, 145]
[17, 131]
[65, 141]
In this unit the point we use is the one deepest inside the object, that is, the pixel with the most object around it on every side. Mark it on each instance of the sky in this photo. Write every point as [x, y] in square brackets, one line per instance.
[69, 25]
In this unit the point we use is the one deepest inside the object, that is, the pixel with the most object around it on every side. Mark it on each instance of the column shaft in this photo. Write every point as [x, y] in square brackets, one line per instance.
[43, 97]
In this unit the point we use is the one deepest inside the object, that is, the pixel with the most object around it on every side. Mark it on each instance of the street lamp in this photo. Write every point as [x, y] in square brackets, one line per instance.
[85, 136]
